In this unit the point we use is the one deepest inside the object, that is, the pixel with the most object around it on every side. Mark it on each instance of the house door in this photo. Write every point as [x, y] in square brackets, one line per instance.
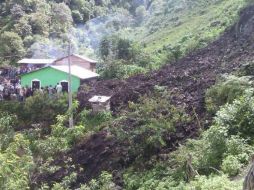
[64, 86]
[36, 84]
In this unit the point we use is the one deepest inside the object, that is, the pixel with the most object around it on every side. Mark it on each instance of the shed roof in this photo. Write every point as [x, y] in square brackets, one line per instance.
[85, 58]
[79, 56]
[77, 71]
[101, 99]
[36, 61]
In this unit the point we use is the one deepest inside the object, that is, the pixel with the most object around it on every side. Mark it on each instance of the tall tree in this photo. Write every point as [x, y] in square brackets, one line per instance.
[11, 48]
[61, 18]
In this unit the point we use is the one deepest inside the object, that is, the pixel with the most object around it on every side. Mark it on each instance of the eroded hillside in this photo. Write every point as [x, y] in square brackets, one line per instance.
[186, 80]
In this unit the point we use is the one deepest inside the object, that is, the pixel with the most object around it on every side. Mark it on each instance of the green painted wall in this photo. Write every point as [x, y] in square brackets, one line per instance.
[49, 76]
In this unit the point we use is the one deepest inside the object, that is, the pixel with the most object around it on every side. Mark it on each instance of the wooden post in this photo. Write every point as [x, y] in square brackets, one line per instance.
[69, 87]
[248, 183]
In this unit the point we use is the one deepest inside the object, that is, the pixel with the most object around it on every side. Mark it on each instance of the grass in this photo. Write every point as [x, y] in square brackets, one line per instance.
[192, 25]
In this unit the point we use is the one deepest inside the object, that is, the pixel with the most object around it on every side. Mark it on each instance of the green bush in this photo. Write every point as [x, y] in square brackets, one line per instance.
[238, 117]
[104, 182]
[93, 121]
[7, 132]
[214, 183]
[38, 109]
[59, 140]
[231, 165]
[147, 124]
[16, 164]
[120, 69]
[226, 91]
[215, 145]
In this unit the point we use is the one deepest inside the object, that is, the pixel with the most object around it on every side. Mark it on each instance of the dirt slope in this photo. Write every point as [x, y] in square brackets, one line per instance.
[187, 80]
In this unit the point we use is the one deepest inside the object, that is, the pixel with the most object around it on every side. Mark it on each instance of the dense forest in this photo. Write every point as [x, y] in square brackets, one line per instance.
[180, 77]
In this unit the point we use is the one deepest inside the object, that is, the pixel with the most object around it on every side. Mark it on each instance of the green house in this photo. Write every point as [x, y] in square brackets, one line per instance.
[52, 75]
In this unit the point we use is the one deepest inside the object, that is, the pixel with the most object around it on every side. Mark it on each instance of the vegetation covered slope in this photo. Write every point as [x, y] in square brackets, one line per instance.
[143, 144]
[185, 83]
[159, 27]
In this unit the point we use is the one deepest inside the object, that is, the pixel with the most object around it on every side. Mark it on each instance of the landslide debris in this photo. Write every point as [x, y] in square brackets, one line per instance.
[186, 79]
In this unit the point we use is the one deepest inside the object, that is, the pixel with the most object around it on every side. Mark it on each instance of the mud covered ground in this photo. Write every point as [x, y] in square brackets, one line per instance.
[187, 80]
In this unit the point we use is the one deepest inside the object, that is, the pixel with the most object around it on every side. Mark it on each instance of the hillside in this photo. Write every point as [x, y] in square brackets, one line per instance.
[187, 81]
[159, 27]
[181, 113]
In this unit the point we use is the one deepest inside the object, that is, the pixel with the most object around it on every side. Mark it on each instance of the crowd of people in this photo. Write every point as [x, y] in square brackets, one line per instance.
[15, 92]
[11, 89]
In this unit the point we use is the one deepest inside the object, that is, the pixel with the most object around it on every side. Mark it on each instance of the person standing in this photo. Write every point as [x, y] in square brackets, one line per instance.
[50, 91]
[21, 94]
[59, 89]
[1, 87]
[6, 93]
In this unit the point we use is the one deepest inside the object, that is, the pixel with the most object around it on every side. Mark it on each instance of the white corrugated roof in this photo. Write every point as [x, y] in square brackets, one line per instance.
[77, 71]
[85, 58]
[36, 61]
[101, 99]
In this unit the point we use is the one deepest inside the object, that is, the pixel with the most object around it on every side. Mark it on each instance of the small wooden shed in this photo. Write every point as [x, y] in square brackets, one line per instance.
[100, 103]
[77, 60]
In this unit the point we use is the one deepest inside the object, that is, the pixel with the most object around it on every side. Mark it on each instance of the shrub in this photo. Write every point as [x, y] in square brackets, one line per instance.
[148, 123]
[7, 123]
[118, 69]
[87, 118]
[16, 164]
[213, 182]
[226, 91]
[231, 165]
[60, 139]
[38, 109]
[215, 145]
[104, 182]
[238, 117]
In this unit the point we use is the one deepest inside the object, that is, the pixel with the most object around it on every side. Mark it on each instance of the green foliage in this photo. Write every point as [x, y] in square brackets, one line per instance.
[140, 13]
[103, 183]
[87, 118]
[237, 117]
[11, 47]
[40, 108]
[215, 146]
[214, 151]
[62, 18]
[40, 23]
[118, 69]
[231, 166]
[63, 185]
[7, 123]
[59, 140]
[16, 164]
[214, 182]
[124, 58]
[247, 69]
[226, 91]
[119, 48]
[156, 178]
[174, 53]
[23, 27]
[147, 123]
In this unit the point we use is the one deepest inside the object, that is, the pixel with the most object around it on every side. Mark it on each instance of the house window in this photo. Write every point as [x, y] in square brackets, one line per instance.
[65, 85]
[36, 84]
